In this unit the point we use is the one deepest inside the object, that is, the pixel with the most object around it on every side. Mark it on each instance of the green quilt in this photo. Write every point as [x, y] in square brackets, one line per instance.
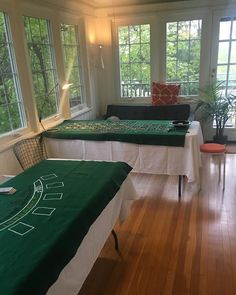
[44, 222]
[151, 132]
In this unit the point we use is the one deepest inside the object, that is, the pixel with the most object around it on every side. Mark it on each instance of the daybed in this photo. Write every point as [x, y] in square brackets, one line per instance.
[149, 112]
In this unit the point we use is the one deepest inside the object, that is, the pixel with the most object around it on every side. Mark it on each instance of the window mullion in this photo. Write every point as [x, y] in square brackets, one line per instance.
[189, 46]
[132, 40]
[179, 47]
[229, 56]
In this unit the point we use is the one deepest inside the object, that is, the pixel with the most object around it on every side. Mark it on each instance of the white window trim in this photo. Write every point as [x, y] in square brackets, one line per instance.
[78, 22]
[19, 131]
[205, 16]
[55, 18]
[158, 47]
[56, 87]
[217, 15]
[127, 22]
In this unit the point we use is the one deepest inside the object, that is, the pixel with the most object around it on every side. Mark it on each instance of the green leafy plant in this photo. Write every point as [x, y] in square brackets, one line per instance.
[215, 106]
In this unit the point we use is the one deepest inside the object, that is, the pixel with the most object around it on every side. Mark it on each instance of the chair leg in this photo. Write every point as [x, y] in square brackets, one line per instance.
[116, 240]
[219, 178]
[224, 172]
[180, 184]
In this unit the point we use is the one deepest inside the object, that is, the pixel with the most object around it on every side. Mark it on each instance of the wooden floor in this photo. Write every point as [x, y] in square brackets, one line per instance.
[171, 247]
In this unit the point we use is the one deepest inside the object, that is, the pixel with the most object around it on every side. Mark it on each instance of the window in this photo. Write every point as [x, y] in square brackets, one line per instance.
[134, 59]
[42, 65]
[11, 105]
[183, 41]
[226, 61]
[70, 45]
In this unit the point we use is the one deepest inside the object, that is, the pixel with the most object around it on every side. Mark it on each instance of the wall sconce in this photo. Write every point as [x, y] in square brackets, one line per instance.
[100, 47]
[66, 86]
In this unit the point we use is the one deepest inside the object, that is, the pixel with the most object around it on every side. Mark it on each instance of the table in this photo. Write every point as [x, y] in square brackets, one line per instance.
[44, 222]
[4, 178]
[151, 132]
[152, 159]
[76, 271]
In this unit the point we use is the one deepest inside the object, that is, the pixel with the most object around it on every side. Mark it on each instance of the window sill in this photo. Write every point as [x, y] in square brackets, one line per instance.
[51, 122]
[80, 112]
[145, 100]
[135, 100]
[187, 99]
[6, 142]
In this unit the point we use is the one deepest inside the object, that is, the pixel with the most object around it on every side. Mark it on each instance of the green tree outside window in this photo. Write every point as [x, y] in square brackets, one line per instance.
[134, 58]
[12, 115]
[42, 65]
[73, 67]
[183, 41]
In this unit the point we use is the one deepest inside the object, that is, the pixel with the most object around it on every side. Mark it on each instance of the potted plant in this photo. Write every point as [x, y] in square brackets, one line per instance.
[217, 107]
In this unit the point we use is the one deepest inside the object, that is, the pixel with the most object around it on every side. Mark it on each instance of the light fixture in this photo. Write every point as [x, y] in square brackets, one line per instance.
[100, 47]
[66, 86]
[46, 99]
[56, 87]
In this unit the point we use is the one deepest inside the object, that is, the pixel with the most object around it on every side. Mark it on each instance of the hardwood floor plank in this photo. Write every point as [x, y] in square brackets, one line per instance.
[170, 247]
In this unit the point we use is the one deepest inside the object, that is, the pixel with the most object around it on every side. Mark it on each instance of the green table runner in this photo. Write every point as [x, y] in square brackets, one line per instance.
[44, 222]
[152, 132]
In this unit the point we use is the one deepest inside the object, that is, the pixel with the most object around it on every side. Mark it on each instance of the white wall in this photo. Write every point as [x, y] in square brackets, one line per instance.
[8, 163]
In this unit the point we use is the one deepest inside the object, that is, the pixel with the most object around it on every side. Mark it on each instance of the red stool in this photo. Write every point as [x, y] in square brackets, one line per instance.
[218, 150]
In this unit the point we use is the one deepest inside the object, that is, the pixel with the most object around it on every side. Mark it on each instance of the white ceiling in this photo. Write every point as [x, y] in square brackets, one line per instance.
[112, 3]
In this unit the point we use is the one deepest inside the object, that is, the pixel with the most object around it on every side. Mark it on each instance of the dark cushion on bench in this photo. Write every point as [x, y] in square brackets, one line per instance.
[149, 112]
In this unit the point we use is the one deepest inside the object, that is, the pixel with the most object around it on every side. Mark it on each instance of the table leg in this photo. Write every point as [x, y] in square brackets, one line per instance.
[116, 240]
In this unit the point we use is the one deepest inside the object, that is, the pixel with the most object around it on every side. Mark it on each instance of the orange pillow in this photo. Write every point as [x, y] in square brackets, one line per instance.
[163, 93]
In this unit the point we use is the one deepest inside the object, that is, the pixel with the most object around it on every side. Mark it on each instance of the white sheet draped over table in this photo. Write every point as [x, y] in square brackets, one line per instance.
[75, 272]
[151, 159]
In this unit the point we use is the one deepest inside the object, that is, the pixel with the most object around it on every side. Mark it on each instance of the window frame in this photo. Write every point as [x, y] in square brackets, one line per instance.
[54, 70]
[177, 61]
[217, 15]
[75, 109]
[64, 111]
[116, 23]
[5, 137]
[131, 63]
[83, 42]
[16, 23]
[158, 23]
[205, 44]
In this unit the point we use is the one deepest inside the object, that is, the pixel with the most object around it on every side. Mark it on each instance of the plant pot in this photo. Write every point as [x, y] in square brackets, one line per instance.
[220, 139]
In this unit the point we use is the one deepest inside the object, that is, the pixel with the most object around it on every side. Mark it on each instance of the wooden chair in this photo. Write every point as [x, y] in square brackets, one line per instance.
[30, 151]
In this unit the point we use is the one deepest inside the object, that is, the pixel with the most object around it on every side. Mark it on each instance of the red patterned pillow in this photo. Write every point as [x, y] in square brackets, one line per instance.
[164, 93]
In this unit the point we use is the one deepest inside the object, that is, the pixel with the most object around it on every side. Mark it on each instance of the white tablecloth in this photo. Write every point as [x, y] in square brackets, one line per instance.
[75, 272]
[143, 158]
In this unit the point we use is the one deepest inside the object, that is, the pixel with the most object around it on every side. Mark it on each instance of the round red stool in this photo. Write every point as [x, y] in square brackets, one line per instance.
[218, 150]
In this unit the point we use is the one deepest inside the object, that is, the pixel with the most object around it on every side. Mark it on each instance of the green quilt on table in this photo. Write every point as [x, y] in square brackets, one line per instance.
[44, 222]
[152, 132]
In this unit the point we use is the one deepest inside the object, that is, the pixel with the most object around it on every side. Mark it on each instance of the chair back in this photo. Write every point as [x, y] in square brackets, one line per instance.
[30, 151]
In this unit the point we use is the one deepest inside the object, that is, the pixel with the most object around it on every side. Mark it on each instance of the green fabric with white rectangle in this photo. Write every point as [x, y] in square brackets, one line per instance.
[44, 222]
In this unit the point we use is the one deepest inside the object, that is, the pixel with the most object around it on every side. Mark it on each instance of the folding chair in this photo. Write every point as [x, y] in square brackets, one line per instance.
[30, 151]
